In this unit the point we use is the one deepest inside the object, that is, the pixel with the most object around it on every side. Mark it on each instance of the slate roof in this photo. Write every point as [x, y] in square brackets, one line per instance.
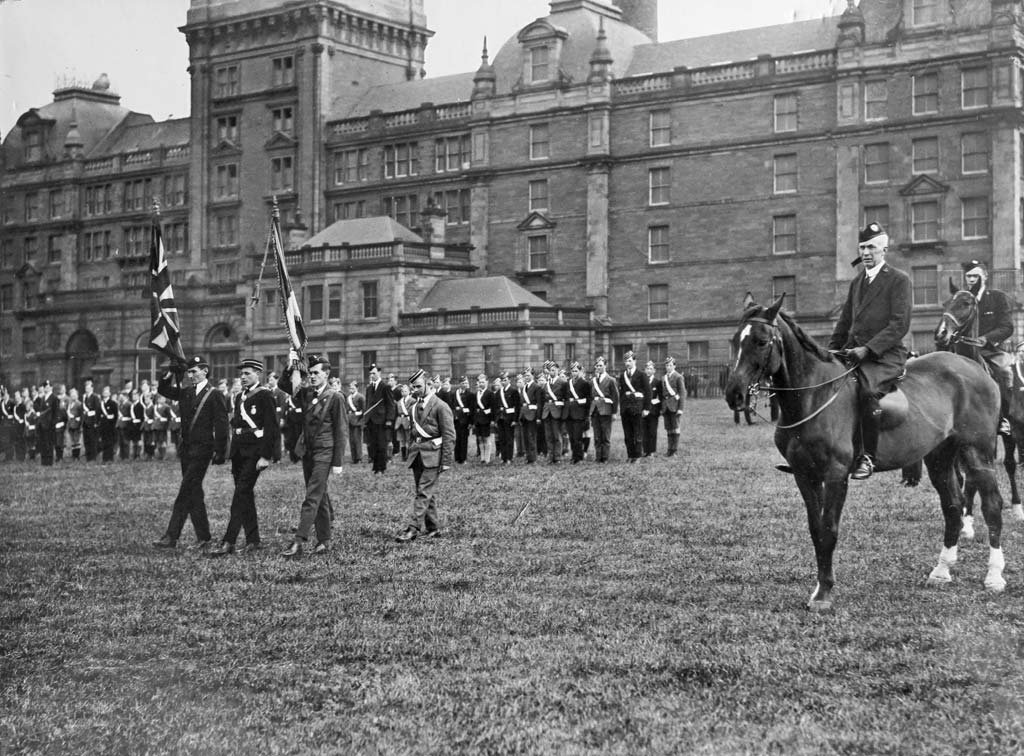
[487, 292]
[140, 132]
[405, 95]
[376, 230]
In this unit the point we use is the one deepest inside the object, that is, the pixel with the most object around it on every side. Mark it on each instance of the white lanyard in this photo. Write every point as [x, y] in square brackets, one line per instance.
[668, 387]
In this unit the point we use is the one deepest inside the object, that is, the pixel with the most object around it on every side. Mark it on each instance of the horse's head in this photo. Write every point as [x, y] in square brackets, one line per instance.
[958, 314]
[758, 351]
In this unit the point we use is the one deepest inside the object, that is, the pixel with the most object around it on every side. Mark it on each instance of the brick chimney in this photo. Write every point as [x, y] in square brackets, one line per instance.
[642, 15]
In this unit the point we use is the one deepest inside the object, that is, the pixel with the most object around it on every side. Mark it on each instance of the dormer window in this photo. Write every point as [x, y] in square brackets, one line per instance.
[540, 64]
[33, 145]
[924, 12]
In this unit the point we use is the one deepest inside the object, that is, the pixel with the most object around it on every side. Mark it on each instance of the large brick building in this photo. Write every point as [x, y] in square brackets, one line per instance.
[587, 189]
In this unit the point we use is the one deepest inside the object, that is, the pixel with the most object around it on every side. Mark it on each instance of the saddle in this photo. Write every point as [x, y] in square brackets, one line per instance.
[895, 409]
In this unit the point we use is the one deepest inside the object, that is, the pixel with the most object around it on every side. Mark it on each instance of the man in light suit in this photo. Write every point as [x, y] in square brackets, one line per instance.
[869, 333]
[431, 451]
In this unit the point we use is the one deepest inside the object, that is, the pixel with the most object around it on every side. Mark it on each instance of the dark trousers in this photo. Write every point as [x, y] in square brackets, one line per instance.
[191, 500]
[91, 435]
[243, 502]
[461, 441]
[20, 444]
[576, 428]
[355, 442]
[58, 444]
[633, 431]
[424, 504]
[316, 507]
[672, 430]
[650, 425]
[44, 445]
[107, 442]
[506, 441]
[378, 436]
[602, 425]
[529, 439]
[553, 438]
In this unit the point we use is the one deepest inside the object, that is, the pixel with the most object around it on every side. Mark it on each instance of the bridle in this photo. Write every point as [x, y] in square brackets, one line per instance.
[754, 389]
[958, 326]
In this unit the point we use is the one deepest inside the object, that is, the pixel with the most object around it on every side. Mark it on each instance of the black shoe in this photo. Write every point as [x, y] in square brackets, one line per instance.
[865, 466]
[435, 533]
[252, 548]
[293, 551]
[321, 549]
[166, 543]
[222, 549]
[409, 534]
[200, 545]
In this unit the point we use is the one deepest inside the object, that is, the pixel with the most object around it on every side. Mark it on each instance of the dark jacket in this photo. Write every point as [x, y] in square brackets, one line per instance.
[577, 398]
[554, 399]
[876, 316]
[380, 404]
[259, 435]
[638, 399]
[208, 434]
[436, 447]
[995, 317]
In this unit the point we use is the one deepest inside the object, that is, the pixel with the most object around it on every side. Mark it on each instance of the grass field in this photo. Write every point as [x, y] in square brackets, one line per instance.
[648, 608]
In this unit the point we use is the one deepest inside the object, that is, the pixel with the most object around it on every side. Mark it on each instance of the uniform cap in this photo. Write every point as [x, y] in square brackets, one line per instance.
[670, 360]
[198, 362]
[416, 376]
[251, 364]
[974, 268]
[629, 355]
[319, 359]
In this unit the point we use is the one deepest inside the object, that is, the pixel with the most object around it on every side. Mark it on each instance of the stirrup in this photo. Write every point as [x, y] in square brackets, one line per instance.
[865, 467]
[1004, 427]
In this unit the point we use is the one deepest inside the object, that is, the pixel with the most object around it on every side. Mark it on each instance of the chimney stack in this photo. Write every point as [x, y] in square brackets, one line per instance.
[642, 15]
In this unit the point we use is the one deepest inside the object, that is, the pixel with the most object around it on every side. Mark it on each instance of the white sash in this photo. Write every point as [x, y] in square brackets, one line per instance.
[633, 391]
[103, 409]
[668, 387]
[419, 428]
[600, 393]
[244, 413]
[88, 411]
[458, 398]
[352, 404]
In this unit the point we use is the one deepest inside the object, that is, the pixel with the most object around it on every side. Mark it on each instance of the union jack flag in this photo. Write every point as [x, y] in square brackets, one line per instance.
[164, 333]
[292, 313]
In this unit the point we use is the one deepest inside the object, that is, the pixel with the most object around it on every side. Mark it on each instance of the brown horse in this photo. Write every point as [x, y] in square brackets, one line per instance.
[953, 333]
[951, 409]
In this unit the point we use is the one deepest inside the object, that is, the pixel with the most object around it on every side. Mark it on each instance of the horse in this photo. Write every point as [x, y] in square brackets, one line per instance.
[949, 409]
[959, 315]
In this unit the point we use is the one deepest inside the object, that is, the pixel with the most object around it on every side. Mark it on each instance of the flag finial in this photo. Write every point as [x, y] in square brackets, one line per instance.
[276, 211]
[156, 208]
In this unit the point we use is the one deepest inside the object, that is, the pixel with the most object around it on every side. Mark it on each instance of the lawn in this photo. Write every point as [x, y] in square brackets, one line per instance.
[647, 608]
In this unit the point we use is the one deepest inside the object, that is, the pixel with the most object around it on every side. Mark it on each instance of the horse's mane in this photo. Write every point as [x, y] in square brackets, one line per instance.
[804, 340]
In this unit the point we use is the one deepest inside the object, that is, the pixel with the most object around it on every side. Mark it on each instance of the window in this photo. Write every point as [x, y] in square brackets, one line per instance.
[53, 249]
[924, 221]
[347, 210]
[661, 128]
[5, 340]
[924, 12]
[926, 93]
[95, 246]
[540, 146]
[135, 241]
[401, 160]
[784, 170]
[874, 100]
[657, 244]
[451, 153]
[227, 181]
[785, 285]
[225, 272]
[659, 182]
[28, 339]
[369, 358]
[283, 71]
[32, 206]
[283, 121]
[540, 64]
[455, 203]
[227, 129]
[370, 304]
[925, 283]
[785, 112]
[175, 236]
[136, 195]
[270, 309]
[7, 298]
[403, 209]
[876, 163]
[925, 155]
[226, 81]
[175, 190]
[877, 213]
[457, 363]
[492, 360]
[29, 249]
[974, 217]
[570, 352]
[225, 231]
[657, 302]
[33, 145]
[537, 252]
[282, 177]
[974, 88]
[6, 254]
[538, 194]
[57, 203]
[697, 351]
[425, 360]
[784, 234]
[8, 208]
[351, 166]
[98, 199]
[974, 152]
[549, 351]
[314, 297]
[334, 311]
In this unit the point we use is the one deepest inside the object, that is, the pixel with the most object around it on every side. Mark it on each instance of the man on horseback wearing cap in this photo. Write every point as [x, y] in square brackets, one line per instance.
[870, 331]
[994, 324]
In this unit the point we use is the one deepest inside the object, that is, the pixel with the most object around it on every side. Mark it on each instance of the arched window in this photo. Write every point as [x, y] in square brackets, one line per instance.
[146, 361]
[80, 354]
[222, 345]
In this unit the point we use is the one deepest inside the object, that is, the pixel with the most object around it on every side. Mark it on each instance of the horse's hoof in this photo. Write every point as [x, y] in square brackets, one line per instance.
[819, 607]
[995, 585]
[938, 581]
[967, 532]
[1018, 512]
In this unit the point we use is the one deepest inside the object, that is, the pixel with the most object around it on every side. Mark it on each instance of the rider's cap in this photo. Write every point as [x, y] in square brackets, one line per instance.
[974, 268]
[871, 231]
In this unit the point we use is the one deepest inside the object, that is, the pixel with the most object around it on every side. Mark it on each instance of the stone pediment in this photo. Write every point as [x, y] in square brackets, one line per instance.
[226, 147]
[536, 221]
[921, 185]
[31, 119]
[541, 29]
[28, 270]
[280, 140]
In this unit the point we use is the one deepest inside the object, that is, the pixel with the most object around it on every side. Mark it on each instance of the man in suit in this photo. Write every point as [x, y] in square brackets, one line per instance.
[650, 420]
[483, 417]
[46, 407]
[254, 445]
[431, 449]
[463, 406]
[673, 395]
[874, 319]
[993, 326]
[204, 434]
[506, 410]
[380, 420]
[553, 410]
[635, 404]
[281, 400]
[321, 447]
[577, 399]
[90, 421]
[355, 405]
[108, 413]
[76, 414]
[531, 401]
[604, 404]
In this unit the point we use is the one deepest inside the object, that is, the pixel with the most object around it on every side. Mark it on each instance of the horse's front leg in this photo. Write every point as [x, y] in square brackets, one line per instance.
[824, 502]
[980, 472]
[942, 471]
[1011, 445]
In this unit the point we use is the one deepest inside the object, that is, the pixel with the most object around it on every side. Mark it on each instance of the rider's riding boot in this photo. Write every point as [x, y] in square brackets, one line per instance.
[871, 418]
[1005, 378]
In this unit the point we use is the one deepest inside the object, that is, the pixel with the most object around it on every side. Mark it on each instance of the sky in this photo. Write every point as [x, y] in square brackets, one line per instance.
[49, 43]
